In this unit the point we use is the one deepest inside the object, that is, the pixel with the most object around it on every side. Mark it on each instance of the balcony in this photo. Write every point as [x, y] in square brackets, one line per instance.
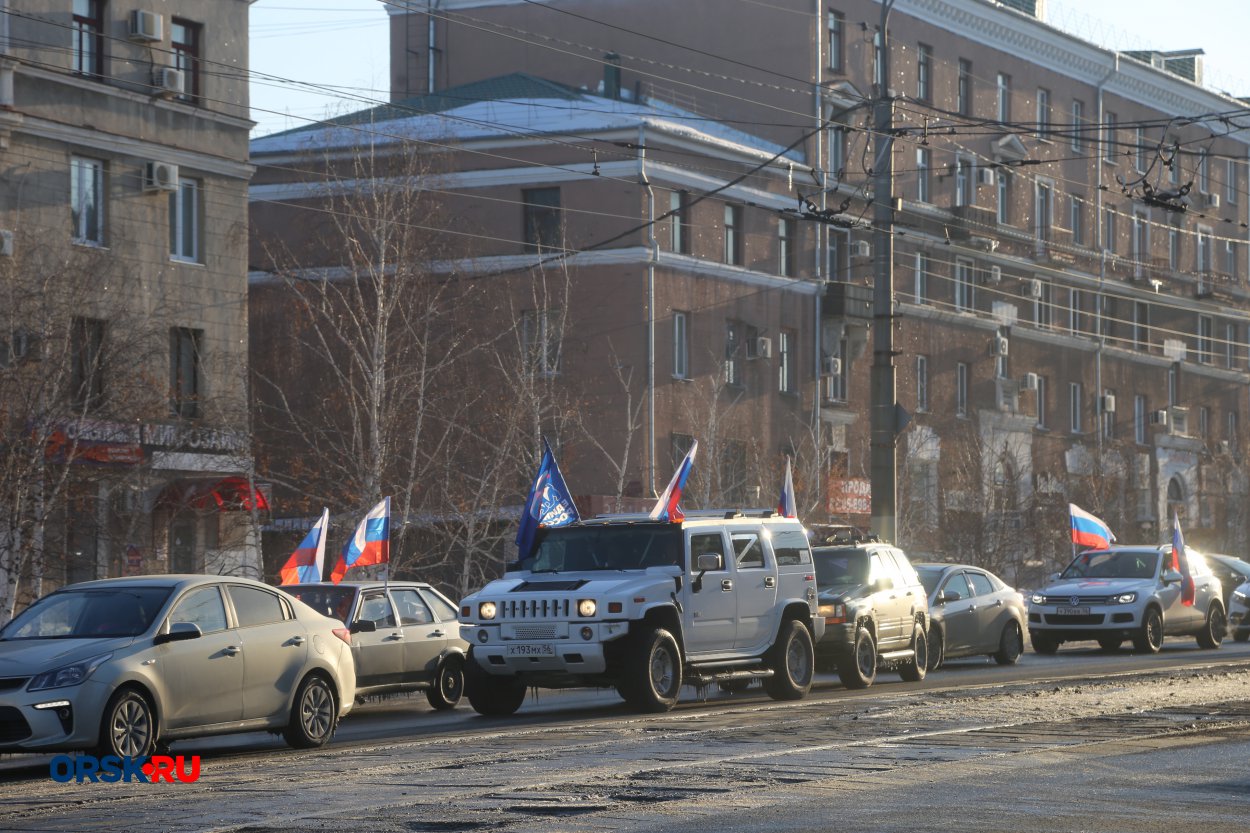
[969, 220]
[845, 300]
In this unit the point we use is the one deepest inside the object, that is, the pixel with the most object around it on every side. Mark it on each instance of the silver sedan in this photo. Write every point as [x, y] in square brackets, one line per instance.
[114, 666]
[971, 612]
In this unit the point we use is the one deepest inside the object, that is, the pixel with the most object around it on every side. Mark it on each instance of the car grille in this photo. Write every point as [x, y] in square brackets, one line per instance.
[1066, 601]
[544, 608]
[1092, 619]
[13, 683]
[13, 726]
[534, 631]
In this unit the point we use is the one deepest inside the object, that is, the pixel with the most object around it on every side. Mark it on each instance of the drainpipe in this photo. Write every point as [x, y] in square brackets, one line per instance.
[1102, 250]
[651, 261]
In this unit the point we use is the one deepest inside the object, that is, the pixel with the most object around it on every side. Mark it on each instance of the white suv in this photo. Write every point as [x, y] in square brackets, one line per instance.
[1126, 593]
[626, 602]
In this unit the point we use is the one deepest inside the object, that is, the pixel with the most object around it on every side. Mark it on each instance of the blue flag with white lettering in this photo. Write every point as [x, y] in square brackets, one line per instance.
[549, 504]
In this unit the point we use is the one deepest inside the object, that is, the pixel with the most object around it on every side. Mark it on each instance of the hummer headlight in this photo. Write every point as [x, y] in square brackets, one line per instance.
[586, 608]
[486, 610]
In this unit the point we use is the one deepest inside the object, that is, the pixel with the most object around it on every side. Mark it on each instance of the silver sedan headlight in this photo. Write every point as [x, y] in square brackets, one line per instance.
[68, 675]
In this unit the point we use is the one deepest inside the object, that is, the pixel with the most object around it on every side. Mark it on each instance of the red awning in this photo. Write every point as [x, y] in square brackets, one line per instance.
[228, 494]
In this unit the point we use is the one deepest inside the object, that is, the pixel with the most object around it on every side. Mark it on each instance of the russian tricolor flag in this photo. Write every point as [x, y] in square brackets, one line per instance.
[667, 508]
[785, 504]
[308, 561]
[370, 545]
[1180, 561]
[1087, 530]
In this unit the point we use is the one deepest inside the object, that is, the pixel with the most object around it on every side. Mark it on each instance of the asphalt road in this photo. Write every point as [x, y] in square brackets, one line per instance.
[1079, 741]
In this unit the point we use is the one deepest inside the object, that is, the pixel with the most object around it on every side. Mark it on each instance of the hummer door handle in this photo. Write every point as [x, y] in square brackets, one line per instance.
[726, 584]
[770, 581]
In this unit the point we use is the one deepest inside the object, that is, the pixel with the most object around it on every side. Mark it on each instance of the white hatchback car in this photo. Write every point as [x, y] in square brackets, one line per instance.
[1126, 593]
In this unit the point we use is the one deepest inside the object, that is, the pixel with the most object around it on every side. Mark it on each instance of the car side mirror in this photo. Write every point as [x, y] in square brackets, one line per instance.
[708, 561]
[178, 632]
[948, 596]
[1171, 577]
[363, 626]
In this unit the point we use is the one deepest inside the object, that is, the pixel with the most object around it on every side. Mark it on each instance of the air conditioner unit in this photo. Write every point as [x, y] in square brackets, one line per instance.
[160, 176]
[760, 348]
[1033, 288]
[1108, 403]
[994, 274]
[146, 26]
[861, 248]
[1159, 417]
[832, 366]
[1000, 346]
[1029, 382]
[6, 243]
[1213, 200]
[172, 81]
[985, 176]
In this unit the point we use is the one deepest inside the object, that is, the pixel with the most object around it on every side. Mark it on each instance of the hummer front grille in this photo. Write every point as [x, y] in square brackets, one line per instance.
[542, 608]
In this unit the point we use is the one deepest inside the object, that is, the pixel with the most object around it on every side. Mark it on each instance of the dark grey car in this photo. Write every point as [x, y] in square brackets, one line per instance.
[971, 612]
[405, 636]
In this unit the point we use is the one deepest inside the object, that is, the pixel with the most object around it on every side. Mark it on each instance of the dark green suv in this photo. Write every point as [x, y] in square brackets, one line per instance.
[876, 612]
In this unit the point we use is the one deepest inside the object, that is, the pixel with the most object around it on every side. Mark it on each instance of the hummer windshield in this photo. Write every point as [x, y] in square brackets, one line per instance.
[583, 548]
[840, 566]
[1122, 564]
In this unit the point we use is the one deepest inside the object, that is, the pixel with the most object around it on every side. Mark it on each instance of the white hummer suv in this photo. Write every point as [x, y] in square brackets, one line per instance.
[642, 606]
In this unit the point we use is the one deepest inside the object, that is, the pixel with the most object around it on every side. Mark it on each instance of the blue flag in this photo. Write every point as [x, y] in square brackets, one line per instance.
[549, 504]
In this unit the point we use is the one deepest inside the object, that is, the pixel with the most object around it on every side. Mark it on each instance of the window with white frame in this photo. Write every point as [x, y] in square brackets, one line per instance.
[878, 62]
[87, 34]
[837, 252]
[1204, 172]
[1076, 310]
[733, 234]
[1141, 325]
[1075, 407]
[1108, 229]
[1078, 126]
[1109, 137]
[837, 151]
[922, 278]
[1206, 328]
[1108, 417]
[835, 45]
[1204, 421]
[1230, 260]
[965, 285]
[679, 221]
[1076, 219]
[838, 383]
[1230, 429]
[1139, 419]
[923, 163]
[1042, 402]
[1230, 181]
[1003, 93]
[1043, 113]
[1139, 150]
[1230, 346]
[961, 389]
[681, 344]
[1042, 304]
[86, 198]
[963, 90]
[1202, 252]
[1174, 385]
[733, 353]
[1174, 249]
[186, 377]
[1140, 248]
[184, 221]
[922, 383]
[1043, 210]
[787, 231]
[1004, 197]
[787, 375]
[964, 193]
[924, 73]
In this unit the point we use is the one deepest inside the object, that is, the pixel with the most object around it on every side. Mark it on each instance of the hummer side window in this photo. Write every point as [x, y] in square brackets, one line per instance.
[703, 544]
[749, 550]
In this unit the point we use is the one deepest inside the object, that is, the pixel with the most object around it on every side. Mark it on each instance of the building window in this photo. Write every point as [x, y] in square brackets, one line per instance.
[1230, 260]
[1076, 219]
[185, 382]
[1106, 314]
[1076, 313]
[1004, 198]
[963, 181]
[922, 383]
[87, 363]
[922, 278]
[1139, 419]
[1003, 92]
[543, 219]
[1174, 385]
[1043, 211]
[837, 249]
[1042, 307]
[1230, 346]
[681, 345]
[88, 38]
[1074, 407]
[1042, 404]
[1204, 422]
[837, 151]
[924, 73]
[786, 368]
[1043, 113]
[923, 163]
[1204, 172]
[540, 341]
[1139, 243]
[1202, 254]
[733, 353]
[961, 389]
[787, 229]
[1108, 229]
[1230, 181]
[878, 64]
[679, 221]
[86, 197]
[1078, 126]
[1109, 137]
[1141, 326]
[1108, 417]
[733, 234]
[1174, 249]
[965, 286]
[963, 96]
[1205, 331]
[184, 37]
[835, 45]
[184, 221]
[1230, 432]
[838, 383]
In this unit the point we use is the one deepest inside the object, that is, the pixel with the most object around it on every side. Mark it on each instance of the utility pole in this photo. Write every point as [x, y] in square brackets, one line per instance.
[884, 394]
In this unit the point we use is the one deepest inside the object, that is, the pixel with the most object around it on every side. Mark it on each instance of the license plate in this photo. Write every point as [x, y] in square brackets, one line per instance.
[1072, 611]
[531, 650]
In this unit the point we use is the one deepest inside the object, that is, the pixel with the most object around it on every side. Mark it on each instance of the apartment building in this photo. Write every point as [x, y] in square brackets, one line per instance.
[1070, 251]
[123, 136]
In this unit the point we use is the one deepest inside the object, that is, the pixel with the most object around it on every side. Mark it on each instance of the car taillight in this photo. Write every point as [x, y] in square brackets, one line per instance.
[344, 634]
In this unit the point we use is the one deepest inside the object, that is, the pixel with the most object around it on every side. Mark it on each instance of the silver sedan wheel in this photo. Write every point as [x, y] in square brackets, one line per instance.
[316, 711]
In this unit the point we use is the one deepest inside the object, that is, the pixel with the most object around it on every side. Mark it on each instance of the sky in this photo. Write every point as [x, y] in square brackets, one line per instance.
[316, 58]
